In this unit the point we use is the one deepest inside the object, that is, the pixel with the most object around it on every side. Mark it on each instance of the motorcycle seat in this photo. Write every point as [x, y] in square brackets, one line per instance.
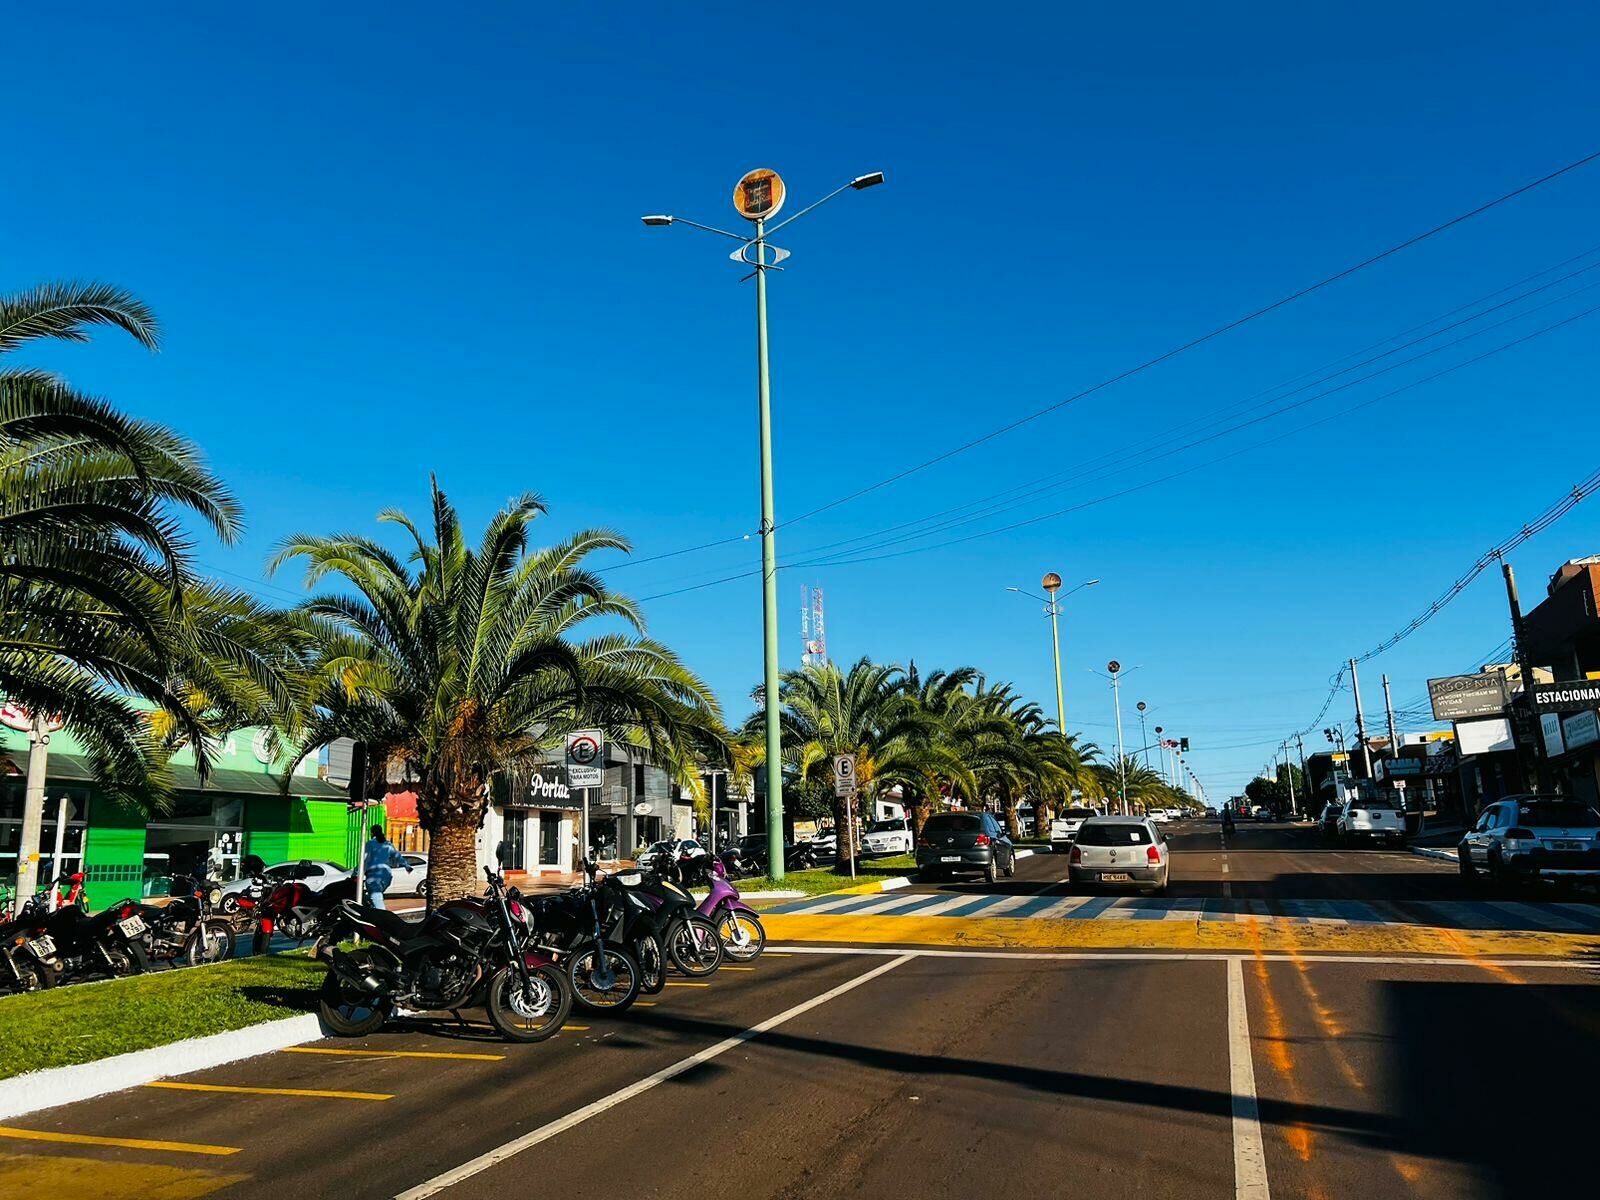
[392, 923]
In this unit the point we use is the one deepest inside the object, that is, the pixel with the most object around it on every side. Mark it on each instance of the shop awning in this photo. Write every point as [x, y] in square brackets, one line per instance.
[71, 768]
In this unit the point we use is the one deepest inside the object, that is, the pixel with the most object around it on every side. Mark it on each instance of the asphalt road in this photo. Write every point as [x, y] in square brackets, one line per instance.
[942, 1073]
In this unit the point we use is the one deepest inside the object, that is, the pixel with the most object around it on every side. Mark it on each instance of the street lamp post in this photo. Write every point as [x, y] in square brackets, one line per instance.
[1052, 607]
[1122, 766]
[758, 197]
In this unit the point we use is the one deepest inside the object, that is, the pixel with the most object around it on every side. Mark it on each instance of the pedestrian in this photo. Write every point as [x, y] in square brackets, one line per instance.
[376, 866]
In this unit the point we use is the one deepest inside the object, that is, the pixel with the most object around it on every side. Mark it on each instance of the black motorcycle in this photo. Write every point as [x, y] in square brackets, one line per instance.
[184, 930]
[464, 953]
[53, 947]
[585, 928]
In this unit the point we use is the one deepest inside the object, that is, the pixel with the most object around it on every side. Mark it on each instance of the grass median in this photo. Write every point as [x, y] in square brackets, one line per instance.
[87, 1022]
[826, 879]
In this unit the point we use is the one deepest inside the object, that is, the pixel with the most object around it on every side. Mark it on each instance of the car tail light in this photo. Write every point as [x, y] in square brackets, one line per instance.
[983, 839]
[1357, 813]
[1519, 834]
[125, 911]
[1076, 855]
[1152, 853]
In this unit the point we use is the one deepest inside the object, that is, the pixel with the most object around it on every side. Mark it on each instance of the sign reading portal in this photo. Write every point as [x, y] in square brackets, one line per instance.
[585, 767]
[1457, 697]
[759, 195]
[1575, 695]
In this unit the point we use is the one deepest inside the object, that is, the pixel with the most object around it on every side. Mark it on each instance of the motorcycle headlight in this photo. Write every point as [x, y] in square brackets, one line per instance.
[214, 896]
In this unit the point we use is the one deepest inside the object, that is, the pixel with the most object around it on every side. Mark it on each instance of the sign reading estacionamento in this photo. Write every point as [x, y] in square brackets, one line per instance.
[1459, 697]
[1574, 695]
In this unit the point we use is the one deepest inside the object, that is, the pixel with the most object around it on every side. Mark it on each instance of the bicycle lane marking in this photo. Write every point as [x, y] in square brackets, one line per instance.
[578, 1116]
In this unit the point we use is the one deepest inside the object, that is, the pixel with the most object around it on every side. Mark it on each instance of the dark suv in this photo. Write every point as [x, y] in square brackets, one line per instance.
[952, 843]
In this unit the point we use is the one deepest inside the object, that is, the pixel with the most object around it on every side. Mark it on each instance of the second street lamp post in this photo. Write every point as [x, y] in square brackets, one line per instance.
[1052, 607]
[757, 198]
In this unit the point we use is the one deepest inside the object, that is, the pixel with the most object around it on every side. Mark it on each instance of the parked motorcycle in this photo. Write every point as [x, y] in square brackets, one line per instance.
[184, 930]
[464, 953]
[293, 909]
[583, 926]
[51, 947]
[738, 925]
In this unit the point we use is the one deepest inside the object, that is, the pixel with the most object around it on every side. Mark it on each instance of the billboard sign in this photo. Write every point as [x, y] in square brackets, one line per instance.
[1484, 737]
[1459, 697]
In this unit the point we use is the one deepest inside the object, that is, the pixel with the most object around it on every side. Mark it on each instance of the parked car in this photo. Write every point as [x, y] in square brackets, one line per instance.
[1125, 851]
[1328, 822]
[316, 874]
[1532, 837]
[959, 843]
[825, 843]
[1065, 827]
[1373, 821]
[411, 879]
[888, 837]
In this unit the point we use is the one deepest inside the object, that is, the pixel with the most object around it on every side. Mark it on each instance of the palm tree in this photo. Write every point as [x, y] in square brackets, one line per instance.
[94, 565]
[457, 663]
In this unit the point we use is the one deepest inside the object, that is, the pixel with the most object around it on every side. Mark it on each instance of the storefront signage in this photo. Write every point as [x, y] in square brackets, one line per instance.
[1550, 726]
[1580, 729]
[585, 763]
[1457, 697]
[1574, 695]
[541, 788]
[14, 716]
[1484, 737]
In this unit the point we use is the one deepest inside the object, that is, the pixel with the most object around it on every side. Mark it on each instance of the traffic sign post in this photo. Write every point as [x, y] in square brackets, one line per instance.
[844, 788]
[586, 766]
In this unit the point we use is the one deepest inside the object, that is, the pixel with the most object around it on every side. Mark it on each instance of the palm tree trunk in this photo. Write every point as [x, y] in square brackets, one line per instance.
[1008, 805]
[453, 855]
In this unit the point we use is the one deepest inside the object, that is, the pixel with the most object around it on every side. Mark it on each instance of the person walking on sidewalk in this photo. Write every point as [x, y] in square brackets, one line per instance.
[377, 866]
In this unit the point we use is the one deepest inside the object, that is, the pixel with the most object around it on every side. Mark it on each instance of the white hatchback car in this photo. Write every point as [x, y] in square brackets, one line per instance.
[1126, 851]
[892, 836]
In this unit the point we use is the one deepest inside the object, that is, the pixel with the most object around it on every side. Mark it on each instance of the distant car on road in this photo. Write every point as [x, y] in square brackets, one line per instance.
[1371, 821]
[960, 843]
[1065, 827]
[888, 837]
[316, 874]
[1124, 851]
[1328, 822]
[1532, 837]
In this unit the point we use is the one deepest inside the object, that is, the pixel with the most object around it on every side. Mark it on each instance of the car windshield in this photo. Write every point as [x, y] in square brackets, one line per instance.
[1563, 813]
[953, 823]
[886, 826]
[1113, 833]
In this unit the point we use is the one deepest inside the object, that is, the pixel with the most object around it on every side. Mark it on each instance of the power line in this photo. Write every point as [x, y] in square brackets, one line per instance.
[1201, 340]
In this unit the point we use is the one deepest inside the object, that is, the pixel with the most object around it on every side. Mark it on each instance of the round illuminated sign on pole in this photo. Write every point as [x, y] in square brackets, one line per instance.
[1113, 666]
[759, 195]
[1141, 706]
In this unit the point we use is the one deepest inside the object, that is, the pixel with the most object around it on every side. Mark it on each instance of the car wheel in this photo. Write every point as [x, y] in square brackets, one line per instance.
[1011, 866]
[990, 874]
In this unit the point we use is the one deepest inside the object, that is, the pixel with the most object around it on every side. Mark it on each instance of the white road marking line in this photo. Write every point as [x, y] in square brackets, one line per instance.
[578, 1116]
[997, 907]
[1249, 1156]
[883, 906]
[1061, 907]
[1304, 956]
[944, 906]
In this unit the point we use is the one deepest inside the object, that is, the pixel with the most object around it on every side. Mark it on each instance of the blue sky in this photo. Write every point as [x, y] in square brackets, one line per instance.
[389, 244]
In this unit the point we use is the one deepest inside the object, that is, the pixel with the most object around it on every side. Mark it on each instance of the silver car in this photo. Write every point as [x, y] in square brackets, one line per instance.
[1532, 837]
[1124, 851]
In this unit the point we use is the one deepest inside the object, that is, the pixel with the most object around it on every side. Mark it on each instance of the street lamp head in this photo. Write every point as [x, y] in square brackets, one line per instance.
[1141, 706]
[1091, 583]
[657, 219]
[1051, 582]
[1013, 589]
[866, 181]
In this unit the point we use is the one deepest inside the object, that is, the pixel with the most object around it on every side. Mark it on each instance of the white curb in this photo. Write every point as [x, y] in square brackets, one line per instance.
[1436, 852]
[83, 1081]
[1026, 853]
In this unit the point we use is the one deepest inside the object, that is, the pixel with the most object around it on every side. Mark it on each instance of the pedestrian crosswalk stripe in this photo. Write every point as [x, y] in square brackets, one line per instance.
[1048, 904]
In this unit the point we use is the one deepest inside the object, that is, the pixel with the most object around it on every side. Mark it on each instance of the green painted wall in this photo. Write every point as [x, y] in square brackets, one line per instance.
[279, 830]
[113, 853]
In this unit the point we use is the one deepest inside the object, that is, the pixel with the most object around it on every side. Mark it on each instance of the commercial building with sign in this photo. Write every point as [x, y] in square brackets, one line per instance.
[1563, 633]
[240, 809]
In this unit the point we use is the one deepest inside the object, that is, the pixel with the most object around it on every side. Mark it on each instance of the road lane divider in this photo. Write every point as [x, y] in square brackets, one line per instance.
[572, 1120]
[173, 1085]
[86, 1139]
[394, 1053]
[1249, 1154]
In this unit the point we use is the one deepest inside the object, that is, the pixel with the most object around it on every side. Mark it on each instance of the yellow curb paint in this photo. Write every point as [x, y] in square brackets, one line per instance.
[84, 1139]
[392, 1053]
[232, 1089]
[688, 985]
[62, 1174]
[644, 1003]
[1264, 933]
[575, 1028]
[736, 968]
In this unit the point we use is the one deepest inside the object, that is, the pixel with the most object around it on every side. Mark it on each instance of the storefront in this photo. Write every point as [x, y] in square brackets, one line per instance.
[532, 826]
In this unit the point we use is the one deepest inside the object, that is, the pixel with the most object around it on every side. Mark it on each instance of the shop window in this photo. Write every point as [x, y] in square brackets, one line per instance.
[549, 839]
[514, 841]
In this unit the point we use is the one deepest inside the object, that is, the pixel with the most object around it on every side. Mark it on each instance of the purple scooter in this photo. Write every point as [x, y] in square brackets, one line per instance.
[738, 925]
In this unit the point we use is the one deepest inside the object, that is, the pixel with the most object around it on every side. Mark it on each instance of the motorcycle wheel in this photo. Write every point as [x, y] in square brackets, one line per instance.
[211, 941]
[32, 975]
[743, 937]
[694, 946]
[347, 1013]
[652, 965]
[129, 959]
[527, 1015]
[624, 989]
[230, 904]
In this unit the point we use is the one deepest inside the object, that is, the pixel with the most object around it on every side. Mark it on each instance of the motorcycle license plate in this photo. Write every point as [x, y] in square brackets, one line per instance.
[42, 947]
[950, 858]
[131, 926]
[1116, 876]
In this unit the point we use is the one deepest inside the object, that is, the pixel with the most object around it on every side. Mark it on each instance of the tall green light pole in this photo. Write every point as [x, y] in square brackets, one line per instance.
[757, 198]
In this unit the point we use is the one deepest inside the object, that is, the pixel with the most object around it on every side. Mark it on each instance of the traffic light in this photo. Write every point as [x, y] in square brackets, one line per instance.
[1183, 744]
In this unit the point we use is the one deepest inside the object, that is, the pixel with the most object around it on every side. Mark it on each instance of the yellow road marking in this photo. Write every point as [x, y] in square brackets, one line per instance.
[1264, 933]
[174, 1086]
[644, 1004]
[392, 1053]
[575, 1028]
[61, 1174]
[688, 985]
[736, 968]
[85, 1139]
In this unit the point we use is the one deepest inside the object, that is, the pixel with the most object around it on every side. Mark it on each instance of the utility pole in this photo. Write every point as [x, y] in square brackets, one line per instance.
[33, 810]
[1305, 776]
[1122, 767]
[1288, 770]
[1361, 724]
[1388, 709]
[1541, 767]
